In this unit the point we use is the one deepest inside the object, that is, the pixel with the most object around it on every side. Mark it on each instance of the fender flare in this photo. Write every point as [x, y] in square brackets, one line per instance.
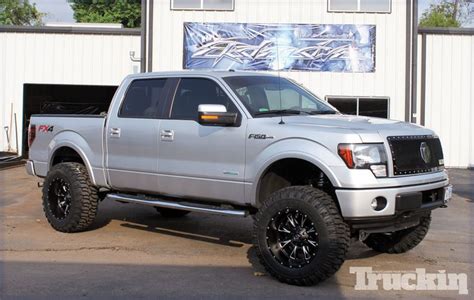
[59, 141]
[308, 150]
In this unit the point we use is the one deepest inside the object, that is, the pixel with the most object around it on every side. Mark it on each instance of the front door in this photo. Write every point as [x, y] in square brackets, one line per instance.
[132, 137]
[196, 161]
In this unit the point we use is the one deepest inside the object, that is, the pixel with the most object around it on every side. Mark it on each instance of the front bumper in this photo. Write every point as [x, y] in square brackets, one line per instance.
[356, 203]
[30, 168]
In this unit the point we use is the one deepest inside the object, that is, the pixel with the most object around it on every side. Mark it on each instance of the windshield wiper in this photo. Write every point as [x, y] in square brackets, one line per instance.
[279, 112]
[295, 112]
[323, 112]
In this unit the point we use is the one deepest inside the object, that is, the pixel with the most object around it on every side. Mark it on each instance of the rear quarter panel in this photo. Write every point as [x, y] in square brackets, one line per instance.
[83, 134]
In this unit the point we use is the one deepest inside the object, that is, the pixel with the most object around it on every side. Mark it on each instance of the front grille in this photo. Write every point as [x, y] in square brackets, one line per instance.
[415, 154]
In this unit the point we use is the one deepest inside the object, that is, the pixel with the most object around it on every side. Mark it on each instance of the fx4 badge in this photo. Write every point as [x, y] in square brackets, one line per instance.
[260, 136]
[45, 128]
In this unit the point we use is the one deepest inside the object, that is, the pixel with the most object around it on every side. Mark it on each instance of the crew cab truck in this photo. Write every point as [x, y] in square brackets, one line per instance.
[242, 143]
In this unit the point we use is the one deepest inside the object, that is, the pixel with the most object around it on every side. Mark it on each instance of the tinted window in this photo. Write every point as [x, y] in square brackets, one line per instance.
[343, 5]
[346, 106]
[369, 107]
[142, 98]
[186, 4]
[375, 5]
[383, 6]
[218, 4]
[203, 4]
[373, 108]
[192, 92]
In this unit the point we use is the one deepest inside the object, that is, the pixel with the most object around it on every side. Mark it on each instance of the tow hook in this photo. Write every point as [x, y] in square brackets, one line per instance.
[363, 235]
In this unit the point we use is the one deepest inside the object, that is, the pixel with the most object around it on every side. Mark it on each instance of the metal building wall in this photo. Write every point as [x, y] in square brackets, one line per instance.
[60, 56]
[447, 91]
[387, 80]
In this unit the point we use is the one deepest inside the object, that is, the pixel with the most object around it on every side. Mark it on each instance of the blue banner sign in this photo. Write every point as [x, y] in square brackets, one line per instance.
[286, 47]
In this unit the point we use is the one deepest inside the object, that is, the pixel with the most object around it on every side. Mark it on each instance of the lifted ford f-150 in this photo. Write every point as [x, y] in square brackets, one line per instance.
[239, 143]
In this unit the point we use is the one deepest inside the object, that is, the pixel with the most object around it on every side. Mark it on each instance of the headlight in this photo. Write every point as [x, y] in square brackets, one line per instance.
[365, 156]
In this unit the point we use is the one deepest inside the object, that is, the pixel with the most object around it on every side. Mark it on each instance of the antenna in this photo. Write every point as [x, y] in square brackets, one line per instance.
[279, 82]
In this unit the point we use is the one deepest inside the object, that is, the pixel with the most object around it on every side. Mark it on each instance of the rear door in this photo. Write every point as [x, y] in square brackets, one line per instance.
[196, 161]
[132, 136]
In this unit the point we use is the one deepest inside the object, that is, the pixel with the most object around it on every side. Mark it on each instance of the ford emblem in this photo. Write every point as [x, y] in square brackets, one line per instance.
[425, 152]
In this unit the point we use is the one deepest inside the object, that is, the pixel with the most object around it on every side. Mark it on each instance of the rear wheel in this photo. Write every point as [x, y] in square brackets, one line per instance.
[300, 236]
[171, 213]
[69, 199]
[399, 241]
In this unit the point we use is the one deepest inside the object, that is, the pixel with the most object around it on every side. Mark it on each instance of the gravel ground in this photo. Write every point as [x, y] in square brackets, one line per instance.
[132, 252]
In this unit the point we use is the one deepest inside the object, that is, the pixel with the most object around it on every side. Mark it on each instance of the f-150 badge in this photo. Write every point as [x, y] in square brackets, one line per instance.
[258, 136]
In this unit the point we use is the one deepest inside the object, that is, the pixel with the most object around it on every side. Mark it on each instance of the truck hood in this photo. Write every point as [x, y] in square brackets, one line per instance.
[369, 129]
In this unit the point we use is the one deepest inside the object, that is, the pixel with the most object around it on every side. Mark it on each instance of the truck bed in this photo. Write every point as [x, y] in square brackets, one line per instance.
[83, 133]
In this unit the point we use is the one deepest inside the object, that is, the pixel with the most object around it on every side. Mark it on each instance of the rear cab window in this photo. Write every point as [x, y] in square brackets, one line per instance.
[143, 99]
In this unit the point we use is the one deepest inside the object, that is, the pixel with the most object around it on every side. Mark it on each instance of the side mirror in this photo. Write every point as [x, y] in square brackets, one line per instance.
[216, 114]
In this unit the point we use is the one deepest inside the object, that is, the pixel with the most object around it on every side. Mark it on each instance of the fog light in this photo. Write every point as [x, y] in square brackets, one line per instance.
[379, 170]
[378, 203]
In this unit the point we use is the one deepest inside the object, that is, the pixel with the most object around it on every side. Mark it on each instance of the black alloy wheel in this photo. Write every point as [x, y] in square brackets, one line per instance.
[292, 238]
[300, 236]
[59, 198]
[70, 200]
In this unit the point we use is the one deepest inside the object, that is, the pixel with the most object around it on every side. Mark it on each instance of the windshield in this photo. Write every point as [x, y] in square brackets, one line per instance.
[268, 95]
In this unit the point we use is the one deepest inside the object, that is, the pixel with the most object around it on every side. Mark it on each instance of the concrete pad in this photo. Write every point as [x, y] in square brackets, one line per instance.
[134, 252]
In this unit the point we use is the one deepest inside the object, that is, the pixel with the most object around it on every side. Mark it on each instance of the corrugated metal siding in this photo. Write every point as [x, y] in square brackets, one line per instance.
[450, 95]
[388, 79]
[91, 59]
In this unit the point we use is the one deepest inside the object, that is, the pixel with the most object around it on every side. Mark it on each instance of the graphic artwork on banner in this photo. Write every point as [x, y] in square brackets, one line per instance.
[286, 47]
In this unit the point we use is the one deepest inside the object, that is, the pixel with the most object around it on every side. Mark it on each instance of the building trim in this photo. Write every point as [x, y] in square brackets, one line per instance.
[414, 62]
[446, 30]
[423, 80]
[433, 31]
[150, 36]
[143, 38]
[71, 30]
[408, 59]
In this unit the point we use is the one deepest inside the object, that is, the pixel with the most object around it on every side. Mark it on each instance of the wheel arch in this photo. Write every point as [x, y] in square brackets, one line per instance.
[71, 153]
[301, 159]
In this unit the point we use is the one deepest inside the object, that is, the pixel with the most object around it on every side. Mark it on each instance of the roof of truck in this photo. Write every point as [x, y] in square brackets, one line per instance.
[210, 72]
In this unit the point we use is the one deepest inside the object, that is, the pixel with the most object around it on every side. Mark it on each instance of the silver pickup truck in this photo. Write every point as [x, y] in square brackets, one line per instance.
[240, 143]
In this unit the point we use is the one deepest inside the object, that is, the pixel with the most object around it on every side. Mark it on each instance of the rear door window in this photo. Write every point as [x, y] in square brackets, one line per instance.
[143, 98]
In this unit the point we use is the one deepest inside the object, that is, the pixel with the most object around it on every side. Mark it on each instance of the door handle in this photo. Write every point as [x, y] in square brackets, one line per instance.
[167, 135]
[115, 132]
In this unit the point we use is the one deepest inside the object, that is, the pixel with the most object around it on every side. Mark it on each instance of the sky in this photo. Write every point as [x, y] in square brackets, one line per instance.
[60, 10]
[56, 10]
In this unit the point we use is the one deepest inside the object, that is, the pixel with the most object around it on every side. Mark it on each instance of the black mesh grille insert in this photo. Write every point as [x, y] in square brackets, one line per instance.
[415, 154]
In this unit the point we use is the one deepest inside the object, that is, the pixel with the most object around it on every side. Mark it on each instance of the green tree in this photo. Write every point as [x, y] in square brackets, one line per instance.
[19, 12]
[126, 12]
[448, 13]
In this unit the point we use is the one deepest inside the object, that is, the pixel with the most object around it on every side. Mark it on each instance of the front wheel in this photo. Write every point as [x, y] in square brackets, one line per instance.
[399, 241]
[300, 236]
